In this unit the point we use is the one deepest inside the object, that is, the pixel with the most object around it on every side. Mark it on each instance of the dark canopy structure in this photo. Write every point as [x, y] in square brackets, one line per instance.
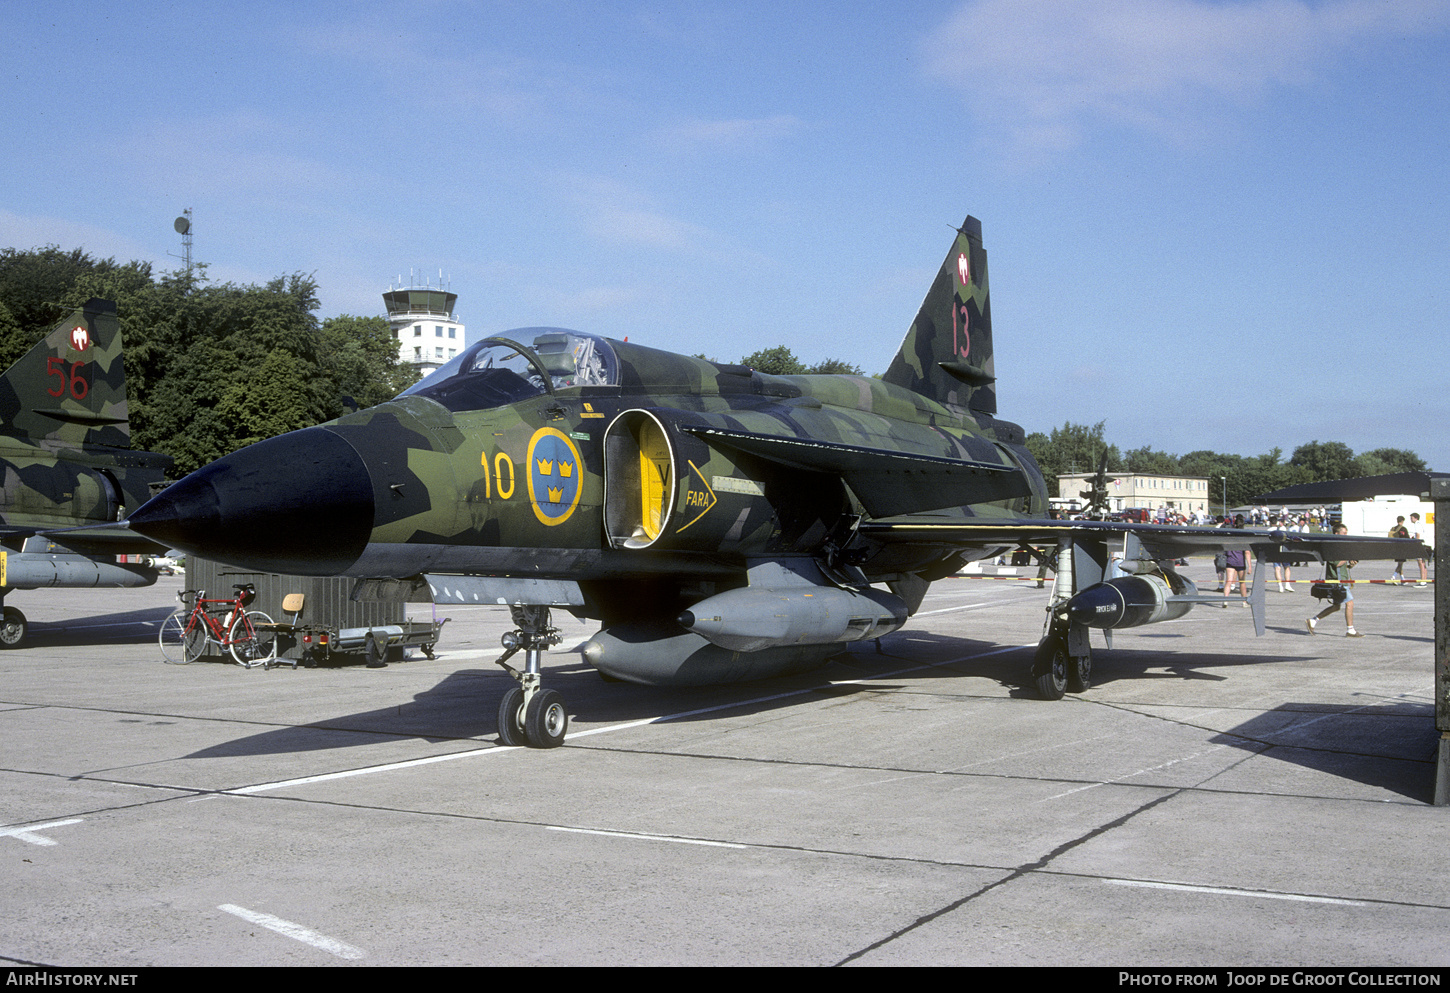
[1340, 490]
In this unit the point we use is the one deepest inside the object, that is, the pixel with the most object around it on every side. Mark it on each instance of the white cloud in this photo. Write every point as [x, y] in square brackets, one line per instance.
[1045, 70]
[602, 298]
[619, 223]
[446, 84]
[242, 152]
[1092, 374]
[617, 215]
[569, 306]
[729, 135]
[25, 232]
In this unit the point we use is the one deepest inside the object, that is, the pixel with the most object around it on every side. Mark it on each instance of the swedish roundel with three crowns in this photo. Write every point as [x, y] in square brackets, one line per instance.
[554, 476]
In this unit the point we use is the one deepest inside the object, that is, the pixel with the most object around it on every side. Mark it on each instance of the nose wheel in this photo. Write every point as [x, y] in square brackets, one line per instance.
[545, 720]
[528, 714]
[511, 718]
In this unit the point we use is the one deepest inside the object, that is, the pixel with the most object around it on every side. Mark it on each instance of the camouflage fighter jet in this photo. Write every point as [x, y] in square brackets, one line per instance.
[65, 454]
[721, 524]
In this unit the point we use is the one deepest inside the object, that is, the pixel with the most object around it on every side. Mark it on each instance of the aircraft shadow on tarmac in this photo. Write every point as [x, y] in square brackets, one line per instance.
[1384, 745]
[129, 627]
[1010, 668]
[1141, 664]
[1298, 630]
[463, 706]
[1389, 746]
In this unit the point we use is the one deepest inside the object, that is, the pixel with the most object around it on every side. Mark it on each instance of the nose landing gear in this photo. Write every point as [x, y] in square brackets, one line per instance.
[528, 714]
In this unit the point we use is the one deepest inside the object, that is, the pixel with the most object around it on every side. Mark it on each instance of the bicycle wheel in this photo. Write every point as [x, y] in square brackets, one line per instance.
[253, 639]
[180, 645]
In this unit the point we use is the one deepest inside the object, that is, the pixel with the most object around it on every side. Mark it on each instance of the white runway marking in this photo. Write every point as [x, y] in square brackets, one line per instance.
[1219, 891]
[1429, 694]
[28, 833]
[295, 931]
[647, 837]
[368, 770]
[963, 606]
[1140, 772]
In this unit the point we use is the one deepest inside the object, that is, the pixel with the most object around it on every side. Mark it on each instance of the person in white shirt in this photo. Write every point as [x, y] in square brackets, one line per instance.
[1281, 572]
[1414, 529]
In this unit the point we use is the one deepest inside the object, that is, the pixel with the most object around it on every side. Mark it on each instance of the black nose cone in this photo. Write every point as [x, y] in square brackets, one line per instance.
[300, 503]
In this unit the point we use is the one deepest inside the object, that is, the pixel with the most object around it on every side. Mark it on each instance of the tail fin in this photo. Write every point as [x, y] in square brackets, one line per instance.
[947, 354]
[71, 388]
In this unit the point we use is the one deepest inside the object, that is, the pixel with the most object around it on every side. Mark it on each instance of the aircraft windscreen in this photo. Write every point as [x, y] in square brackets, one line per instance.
[496, 372]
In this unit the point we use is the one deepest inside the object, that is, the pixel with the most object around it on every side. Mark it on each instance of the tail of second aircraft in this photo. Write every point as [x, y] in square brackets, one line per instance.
[947, 354]
[71, 387]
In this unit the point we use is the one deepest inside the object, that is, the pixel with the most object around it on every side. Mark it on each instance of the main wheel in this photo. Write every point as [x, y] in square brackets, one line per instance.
[1079, 674]
[1052, 662]
[180, 646]
[253, 639]
[545, 720]
[12, 628]
[511, 718]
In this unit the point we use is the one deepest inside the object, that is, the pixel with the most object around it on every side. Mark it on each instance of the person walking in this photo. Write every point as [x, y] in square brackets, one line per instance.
[1281, 572]
[1398, 531]
[1338, 573]
[1419, 536]
[1236, 570]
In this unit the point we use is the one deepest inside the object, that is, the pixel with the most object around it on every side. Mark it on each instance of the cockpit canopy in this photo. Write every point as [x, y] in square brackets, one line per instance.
[503, 370]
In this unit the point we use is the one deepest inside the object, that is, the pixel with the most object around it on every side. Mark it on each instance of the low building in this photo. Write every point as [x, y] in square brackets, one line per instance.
[1185, 495]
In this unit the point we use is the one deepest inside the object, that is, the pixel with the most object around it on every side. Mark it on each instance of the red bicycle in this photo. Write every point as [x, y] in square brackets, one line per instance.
[249, 635]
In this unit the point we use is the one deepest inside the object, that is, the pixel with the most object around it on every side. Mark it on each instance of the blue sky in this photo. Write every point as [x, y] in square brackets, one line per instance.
[1215, 225]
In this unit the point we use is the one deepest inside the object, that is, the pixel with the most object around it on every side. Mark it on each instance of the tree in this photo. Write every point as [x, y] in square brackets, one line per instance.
[1264, 474]
[266, 400]
[1214, 465]
[781, 361]
[777, 361]
[10, 331]
[1040, 446]
[1383, 461]
[354, 351]
[221, 337]
[1147, 461]
[1072, 448]
[1325, 461]
[834, 367]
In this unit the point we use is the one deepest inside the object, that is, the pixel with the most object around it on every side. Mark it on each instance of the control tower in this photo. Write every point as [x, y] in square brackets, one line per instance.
[427, 333]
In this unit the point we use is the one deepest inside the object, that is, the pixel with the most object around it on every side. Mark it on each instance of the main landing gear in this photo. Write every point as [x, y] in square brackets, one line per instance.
[13, 628]
[528, 713]
[1064, 661]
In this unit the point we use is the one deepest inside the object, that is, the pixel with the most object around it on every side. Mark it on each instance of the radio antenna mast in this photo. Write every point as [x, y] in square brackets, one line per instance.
[183, 228]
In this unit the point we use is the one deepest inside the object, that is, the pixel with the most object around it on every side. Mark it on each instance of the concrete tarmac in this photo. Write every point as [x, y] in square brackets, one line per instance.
[1214, 799]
